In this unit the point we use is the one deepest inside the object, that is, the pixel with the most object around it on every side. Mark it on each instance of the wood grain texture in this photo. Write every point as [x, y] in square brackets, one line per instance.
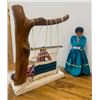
[10, 51]
[67, 88]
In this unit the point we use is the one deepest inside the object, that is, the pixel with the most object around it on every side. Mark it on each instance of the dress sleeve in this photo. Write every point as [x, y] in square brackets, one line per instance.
[73, 41]
[82, 42]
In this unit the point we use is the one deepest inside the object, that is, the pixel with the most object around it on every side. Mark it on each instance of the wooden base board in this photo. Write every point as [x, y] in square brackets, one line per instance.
[31, 84]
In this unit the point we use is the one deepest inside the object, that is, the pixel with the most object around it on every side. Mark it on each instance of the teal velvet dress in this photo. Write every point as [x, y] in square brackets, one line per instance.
[77, 62]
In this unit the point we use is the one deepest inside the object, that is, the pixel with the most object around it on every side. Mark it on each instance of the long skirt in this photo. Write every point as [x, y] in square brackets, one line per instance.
[77, 63]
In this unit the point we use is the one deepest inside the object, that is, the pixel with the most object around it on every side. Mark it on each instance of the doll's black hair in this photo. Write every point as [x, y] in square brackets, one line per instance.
[79, 29]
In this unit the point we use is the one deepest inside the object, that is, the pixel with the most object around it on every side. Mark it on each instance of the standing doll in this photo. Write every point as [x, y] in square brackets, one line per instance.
[77, 62]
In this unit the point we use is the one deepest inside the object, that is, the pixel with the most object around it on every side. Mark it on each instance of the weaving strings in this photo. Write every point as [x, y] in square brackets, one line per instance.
[53, 50]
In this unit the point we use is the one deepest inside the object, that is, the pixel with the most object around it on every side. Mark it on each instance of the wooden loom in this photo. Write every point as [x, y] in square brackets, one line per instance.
[23, 26]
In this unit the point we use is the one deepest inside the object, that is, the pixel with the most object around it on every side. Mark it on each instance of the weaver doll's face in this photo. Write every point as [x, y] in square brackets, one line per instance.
[79, 33]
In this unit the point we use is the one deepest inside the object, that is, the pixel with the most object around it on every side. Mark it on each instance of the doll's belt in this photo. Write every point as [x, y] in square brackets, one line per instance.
[77, 48]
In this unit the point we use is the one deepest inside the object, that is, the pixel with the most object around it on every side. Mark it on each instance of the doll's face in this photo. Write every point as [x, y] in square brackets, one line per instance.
[79, 33]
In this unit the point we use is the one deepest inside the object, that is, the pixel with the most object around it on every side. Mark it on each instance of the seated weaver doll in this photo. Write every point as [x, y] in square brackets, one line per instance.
[42, 55]
[77, 62]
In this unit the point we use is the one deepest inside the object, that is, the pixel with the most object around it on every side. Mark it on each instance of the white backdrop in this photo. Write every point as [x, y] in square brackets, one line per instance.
[80, 15]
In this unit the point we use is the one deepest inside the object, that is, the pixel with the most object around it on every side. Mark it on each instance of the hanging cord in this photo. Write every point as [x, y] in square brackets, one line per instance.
[50, 33]
[46, 33]
[57, 30]
[57, 41]
[33, 38]
[34, 44]
[40, 29]
[39, 32]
